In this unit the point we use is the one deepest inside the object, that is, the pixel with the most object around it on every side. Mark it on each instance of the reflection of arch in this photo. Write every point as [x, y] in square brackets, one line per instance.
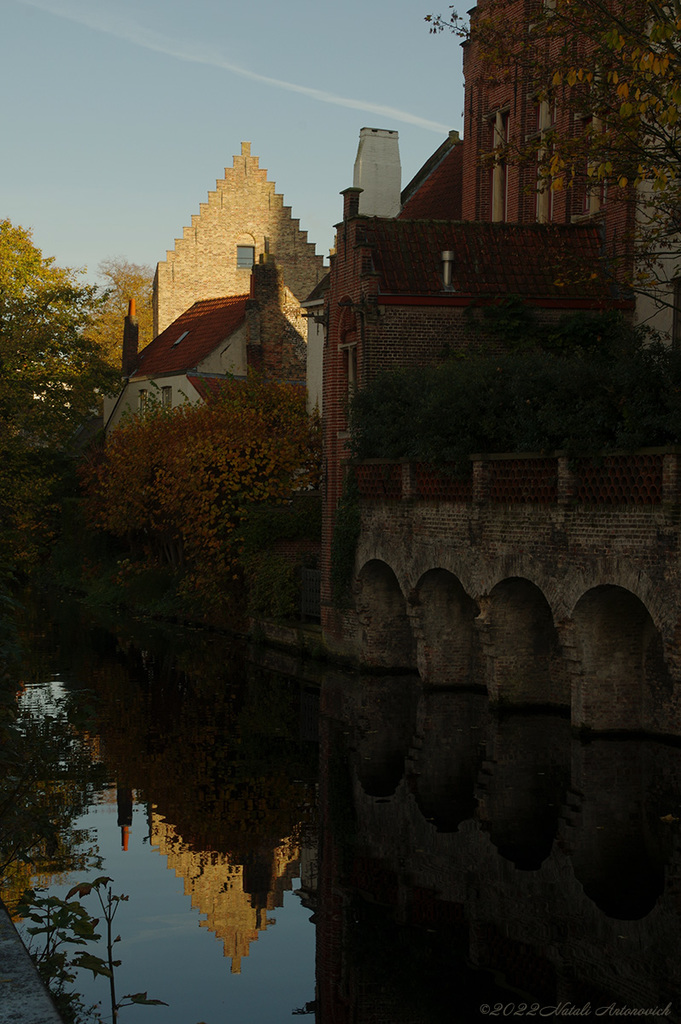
[616, 849]
[379, 753]
[522, 644]
[387, 640]
[444, 619]
[448, 757]
[522, 786]
[622, 670]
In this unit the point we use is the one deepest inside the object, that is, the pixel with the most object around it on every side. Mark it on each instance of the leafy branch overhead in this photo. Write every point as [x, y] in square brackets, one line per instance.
[617, 68]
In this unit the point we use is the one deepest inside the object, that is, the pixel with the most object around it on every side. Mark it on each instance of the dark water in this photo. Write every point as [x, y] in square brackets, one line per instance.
[355, 848]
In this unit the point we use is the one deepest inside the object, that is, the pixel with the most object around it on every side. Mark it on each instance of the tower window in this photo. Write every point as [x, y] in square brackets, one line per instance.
[245, 257]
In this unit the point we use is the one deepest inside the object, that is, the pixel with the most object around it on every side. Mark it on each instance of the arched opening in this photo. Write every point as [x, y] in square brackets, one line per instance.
[622, 677]
[523, 654]
[387, 640]
[444, 617]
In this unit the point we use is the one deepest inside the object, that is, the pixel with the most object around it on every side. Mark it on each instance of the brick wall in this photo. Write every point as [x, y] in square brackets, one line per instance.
[243, 210]
[483, 98]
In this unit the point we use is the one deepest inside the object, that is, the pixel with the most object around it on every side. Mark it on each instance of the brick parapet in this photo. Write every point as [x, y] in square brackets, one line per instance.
[650, 476]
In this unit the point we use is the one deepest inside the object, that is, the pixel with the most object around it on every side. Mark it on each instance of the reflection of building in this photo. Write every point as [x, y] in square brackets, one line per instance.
[234, 897]
[470, 858]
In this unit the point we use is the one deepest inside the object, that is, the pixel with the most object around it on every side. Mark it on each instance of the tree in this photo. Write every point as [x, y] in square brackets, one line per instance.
[51, 377]
[124, 281]
[176, 484]
[617, 68]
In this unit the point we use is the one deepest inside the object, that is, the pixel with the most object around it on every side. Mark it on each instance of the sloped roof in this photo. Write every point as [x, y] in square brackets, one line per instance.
[435, 191]
[535, 261]
[207, 324]
[209, 386]
[319, 290]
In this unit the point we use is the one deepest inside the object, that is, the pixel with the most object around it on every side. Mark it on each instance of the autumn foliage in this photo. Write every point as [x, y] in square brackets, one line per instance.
[177, 484]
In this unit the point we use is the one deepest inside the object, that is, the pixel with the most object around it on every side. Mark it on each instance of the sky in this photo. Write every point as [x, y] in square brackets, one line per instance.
[118, 116]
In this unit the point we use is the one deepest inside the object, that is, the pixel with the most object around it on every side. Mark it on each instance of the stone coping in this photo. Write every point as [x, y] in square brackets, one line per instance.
[23, 996]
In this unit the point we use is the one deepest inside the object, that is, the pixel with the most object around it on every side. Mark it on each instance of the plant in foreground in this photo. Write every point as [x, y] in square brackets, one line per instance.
[64, 922]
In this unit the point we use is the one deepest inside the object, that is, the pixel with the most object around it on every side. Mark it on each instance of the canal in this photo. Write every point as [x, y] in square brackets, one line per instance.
[350, 849]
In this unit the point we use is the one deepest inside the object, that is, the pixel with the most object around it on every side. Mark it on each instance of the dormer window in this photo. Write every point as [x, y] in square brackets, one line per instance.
[245, 257]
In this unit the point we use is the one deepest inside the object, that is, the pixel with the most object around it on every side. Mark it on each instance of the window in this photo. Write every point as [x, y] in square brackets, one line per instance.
[142, 399]
[594, 189]
[166, 396]
[546, 119]
[499, 177]
[245, 257]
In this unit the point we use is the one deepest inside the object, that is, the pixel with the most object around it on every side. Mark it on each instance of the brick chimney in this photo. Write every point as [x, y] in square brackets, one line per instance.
[275, 324]
[130, 340]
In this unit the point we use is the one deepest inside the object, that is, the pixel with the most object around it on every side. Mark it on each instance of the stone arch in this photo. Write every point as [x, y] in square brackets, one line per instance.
[444, 615]
[621, 680]
[386, 636]
[523, 658]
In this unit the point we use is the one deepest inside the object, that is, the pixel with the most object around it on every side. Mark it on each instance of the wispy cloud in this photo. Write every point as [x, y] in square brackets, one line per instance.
[113, 24]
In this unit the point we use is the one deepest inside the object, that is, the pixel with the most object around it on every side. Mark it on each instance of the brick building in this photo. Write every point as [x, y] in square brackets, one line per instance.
[467, 231]
[263, 329]
[243, 219]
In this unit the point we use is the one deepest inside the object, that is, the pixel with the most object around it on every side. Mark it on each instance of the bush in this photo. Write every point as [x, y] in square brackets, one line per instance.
[591, 384]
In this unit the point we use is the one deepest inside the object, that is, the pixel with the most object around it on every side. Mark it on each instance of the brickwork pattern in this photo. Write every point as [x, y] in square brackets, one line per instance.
[576, 597]
[482, 99]
[243, 210]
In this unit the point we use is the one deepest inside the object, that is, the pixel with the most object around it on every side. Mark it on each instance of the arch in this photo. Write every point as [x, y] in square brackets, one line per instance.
[444, 627]
[386, 636]
[521, 644]
[621, 680]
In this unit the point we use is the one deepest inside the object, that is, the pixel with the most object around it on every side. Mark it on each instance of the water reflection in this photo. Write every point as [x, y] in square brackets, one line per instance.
[463, 857]
[510, 860]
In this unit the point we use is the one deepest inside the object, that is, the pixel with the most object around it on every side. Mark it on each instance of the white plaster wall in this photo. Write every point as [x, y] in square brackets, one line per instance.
[127, 403]
[228, 357]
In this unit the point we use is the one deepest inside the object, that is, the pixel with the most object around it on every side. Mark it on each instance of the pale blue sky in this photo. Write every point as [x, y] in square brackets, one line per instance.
[118, 115]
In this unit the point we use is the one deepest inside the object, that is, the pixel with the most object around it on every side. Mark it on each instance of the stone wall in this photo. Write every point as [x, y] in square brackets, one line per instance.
[558, 586]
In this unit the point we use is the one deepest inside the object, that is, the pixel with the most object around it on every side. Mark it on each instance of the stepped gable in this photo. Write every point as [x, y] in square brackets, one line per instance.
[435, 191]
[244, 216]
[205, 325]
[534, 261]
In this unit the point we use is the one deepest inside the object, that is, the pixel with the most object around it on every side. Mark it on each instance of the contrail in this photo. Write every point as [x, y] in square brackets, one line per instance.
[107, 22]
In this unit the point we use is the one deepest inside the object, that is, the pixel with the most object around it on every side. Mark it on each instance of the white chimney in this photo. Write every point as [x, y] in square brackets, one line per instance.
[378, 172]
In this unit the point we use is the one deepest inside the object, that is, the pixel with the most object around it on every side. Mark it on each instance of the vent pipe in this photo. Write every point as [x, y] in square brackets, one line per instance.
[447, 266]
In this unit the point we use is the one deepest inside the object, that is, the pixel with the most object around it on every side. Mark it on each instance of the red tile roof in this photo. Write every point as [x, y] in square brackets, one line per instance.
[209, 387]
[207, 324]
[535, 261]
[436, 190]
